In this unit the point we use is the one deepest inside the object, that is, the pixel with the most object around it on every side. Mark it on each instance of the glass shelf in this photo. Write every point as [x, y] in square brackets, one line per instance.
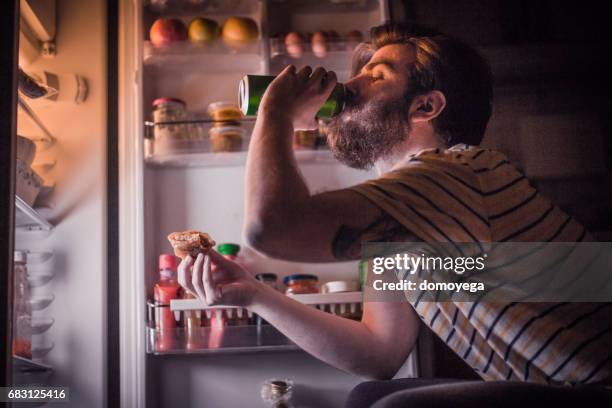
[24, 365]
[210, 340]
[188, 144]
[209, 58]
[27, 218]
[230, 159]
[200, 7]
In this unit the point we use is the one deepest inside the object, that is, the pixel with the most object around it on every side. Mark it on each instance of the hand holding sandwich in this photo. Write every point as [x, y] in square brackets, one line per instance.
[216, 280]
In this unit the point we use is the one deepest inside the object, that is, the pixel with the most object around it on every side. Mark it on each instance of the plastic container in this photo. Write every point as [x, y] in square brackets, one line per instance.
[22, 310]
[300, 284]
[226, 138]
[224, 111]
[340, 286]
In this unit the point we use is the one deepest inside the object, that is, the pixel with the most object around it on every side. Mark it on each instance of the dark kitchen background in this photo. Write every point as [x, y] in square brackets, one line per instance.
[552, 113]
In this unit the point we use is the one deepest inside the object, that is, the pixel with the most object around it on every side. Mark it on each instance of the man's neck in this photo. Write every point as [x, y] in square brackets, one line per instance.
[409, 147]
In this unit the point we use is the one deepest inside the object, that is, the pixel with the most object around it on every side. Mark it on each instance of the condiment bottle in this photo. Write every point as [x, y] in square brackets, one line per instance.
[192, 323]
[22, 310]
[166, 289]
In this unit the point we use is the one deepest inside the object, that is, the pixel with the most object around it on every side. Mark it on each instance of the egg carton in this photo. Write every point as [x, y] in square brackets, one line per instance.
[331, 302]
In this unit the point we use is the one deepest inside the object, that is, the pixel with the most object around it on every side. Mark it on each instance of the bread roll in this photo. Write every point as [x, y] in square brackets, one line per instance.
[190, 243]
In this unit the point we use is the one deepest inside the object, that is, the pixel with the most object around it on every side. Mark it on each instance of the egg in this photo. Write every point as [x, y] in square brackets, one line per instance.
[353, 38]
[294, 44]
[319, 44]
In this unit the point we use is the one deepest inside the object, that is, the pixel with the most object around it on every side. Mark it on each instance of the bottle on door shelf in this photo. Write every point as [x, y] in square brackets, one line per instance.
[300, 284]
[22, 310]
[193, 324]
[166, 289]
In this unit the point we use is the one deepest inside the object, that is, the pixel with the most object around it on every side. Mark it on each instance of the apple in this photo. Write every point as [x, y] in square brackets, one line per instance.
[239, 31]
[203, 30]
[165, 31]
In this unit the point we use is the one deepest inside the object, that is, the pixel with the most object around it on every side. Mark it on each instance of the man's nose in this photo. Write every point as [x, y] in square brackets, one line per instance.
[353, 88]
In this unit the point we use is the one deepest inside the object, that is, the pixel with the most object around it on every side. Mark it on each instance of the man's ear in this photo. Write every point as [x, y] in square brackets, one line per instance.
[427, 106]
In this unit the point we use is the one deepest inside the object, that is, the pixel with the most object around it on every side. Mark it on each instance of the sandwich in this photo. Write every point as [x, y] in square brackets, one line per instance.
[190, 243]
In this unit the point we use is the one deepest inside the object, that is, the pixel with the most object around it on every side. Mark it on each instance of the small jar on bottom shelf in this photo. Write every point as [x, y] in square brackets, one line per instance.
[301, 284]
[226, 138]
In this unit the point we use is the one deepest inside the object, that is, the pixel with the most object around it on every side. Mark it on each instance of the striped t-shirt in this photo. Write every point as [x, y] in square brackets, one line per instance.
[468, 194]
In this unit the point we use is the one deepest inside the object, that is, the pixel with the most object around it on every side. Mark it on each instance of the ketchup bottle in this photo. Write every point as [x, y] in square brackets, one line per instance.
[166, 289]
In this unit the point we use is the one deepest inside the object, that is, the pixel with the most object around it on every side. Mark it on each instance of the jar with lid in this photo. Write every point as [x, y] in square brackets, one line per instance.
[300, 284]
[166, 111]
[269, 279]
[226, 138]
[229, 250]
[22, 310]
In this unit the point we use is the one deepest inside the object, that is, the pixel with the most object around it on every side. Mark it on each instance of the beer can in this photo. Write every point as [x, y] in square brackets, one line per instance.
[252, 88]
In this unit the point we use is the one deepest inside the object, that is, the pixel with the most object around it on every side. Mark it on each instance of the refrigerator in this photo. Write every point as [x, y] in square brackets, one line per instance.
[113, 188]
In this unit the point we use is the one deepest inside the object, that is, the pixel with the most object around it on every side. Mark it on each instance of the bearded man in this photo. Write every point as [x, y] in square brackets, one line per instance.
[416, 110]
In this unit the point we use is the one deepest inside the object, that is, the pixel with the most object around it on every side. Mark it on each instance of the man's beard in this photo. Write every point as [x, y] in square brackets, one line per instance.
[362, 135]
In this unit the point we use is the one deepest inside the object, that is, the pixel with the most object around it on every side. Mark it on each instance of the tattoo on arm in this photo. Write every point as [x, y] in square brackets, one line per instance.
[346, 244]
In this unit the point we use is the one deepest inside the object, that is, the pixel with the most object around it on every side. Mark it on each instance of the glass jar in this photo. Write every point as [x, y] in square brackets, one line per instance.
[226, 138]
[224, 111]
[300, 284]
[269, 279]
[169, 110]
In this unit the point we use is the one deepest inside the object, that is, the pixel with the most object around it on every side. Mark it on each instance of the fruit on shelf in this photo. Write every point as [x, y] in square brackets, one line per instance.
[294, 42]
[166, 31]
[203, 30]
[239, 31]
[319, 44]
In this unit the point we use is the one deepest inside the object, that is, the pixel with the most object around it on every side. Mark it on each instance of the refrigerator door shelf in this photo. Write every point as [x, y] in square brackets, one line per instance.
[24, 365]
[316, 299]
[41, 302]
[184, 57]
[201, 7]
[217, 340]
[41, 324]
[228, 159]
[343, 304]
[27, 218]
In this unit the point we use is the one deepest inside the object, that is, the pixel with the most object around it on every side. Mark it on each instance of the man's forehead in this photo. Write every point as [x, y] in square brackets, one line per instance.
[397, 54]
